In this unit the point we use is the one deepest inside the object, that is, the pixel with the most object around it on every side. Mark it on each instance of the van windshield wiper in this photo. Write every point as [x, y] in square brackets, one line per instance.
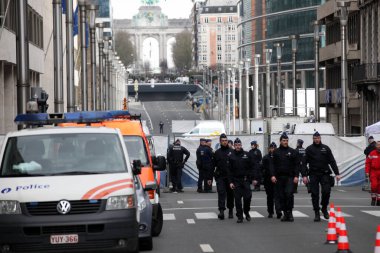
[24, 175]
[75, 173]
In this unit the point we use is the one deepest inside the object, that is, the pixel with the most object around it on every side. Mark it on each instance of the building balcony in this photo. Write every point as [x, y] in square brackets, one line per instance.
[366, 73]
[332, 97]
[334, 51]
[330, 8]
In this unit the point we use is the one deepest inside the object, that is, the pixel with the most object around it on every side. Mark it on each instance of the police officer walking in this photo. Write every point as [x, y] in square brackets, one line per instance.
[272, 196]
[207, 165]
[284, 170]
[319, 158]
[201, 179]
[301, 156]
[371, 146]
[242, 172]
[256, 156]
[177, 162]
[221, 161]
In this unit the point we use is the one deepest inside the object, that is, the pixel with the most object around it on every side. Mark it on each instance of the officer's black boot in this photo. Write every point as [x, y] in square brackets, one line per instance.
[221, 215]
[270, 215]
[279, 215]
[231, 213]
[240, 220]
[373, 202]
[286, 216]
[325, 213]
[317, 216]
[247, 217]
[290, 216]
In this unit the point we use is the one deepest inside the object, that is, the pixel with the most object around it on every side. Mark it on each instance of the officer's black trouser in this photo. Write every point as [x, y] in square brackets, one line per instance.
[272, 197]
[285, 189]
[315, 181]
[242, 190]
[176, 177]
[224, 191]
[201, 180]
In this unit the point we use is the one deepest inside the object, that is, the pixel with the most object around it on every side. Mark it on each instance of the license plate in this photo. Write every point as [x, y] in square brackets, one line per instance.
[64, 239]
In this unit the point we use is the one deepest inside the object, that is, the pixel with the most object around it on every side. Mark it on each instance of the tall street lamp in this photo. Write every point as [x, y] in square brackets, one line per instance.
[343, 5]
[247, 66]
[256, 87]
[106, 70]
[92, 16]
[82, 32]
[316, 70]
[58, 56]
[223, 73]
[229, 70]
[70, 57]
[233, 70]
[241, 65]
[278, 103]
[101, 73]
[268, 57]
[294, 39]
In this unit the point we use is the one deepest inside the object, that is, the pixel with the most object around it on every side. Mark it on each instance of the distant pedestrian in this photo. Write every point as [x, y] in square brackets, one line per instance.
[284, 169]
[201, 180]
[256, 157]
[242, 172]
[177, 162]
[372, 170]
[301, 158]
[371, 146]
[319, 159]
[221, 161]
[161, 127]
[272, 197]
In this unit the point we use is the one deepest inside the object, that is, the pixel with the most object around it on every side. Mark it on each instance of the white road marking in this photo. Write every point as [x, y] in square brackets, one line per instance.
[255, 214]
[341, 190]
[180, 202]
[169, 216]
[298, 214]
[206, 248]
[374, 213]
[150, 120]
[213, 207]
[206, 216]
[190, 221]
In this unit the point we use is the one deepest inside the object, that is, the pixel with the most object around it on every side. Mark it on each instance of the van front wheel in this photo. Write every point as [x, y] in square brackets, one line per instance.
[157, 221]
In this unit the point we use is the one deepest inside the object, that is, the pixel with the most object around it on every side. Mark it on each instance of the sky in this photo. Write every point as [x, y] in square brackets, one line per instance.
[172, 8]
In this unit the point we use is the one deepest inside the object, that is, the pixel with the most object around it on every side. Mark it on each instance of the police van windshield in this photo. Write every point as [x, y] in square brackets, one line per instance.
[136, 149]
[62, 154]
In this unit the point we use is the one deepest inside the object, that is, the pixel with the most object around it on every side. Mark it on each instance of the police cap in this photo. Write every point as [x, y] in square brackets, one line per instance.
[237, 140]
[284, 136]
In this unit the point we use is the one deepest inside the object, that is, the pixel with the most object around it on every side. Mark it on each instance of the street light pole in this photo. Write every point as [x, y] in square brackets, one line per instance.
[241, 64]
[316, 70]
[224, 97]
[106, 70]
[92, 15]
[294, 39]
[82, 32]
[233, 100]
[101, 74]
[211, 110]
[343, 5]
[278, 47]
[229, 100]
[70, 57]
[246, 120]
[58, 56]
[256, 87]
[268, 57]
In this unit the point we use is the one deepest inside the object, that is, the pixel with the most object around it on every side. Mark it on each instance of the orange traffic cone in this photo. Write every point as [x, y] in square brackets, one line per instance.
[343, 245]
[332, 208]
[331, 229]
[377, 244]
[338, 220]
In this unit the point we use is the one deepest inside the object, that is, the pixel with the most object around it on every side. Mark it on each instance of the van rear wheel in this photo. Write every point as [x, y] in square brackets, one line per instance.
[157, 221]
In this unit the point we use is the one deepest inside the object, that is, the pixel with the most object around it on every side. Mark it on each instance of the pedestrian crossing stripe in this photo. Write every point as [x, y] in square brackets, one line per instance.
[190, 221]
[298, 214]
[206, 216]
[255, 214]
[374, 213]
[169, 216]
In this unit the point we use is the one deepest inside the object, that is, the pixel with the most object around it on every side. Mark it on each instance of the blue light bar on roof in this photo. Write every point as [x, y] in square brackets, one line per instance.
[70, 117]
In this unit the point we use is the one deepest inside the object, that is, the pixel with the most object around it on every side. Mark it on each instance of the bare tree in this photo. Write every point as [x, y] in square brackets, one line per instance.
[182, 55]
[124, 48]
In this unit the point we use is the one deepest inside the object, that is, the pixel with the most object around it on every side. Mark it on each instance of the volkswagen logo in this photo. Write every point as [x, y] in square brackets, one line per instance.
[63, 207]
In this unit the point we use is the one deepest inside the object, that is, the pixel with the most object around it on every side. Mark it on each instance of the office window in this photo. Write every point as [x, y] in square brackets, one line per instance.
[230, 20]
[35, 28]
[11, 20]
[206, 19]
[219, 57]
[233, 37]
[219, 37]
[204, 57]
[219, 28]
[219, 47]
[219, 19]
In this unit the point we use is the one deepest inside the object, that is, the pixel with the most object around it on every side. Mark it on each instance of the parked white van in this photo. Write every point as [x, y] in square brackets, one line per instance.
[207, 128]
[64, 189]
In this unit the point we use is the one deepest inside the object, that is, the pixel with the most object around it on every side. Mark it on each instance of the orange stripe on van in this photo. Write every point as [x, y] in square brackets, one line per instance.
[111, 190]
[88, 194]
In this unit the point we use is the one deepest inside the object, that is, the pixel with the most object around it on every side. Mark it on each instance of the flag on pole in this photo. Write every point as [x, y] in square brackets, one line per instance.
[64, 7]
[75, 22]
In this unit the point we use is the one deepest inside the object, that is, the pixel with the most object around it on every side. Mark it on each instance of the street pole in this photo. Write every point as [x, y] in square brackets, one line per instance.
[224, 97]
[316, 70]
[241, 65]
[82, 32]
[256, 87]
[219, 98]
[343, 5]
[92, 13]
[294, 39]
[212, 96]
[228, 100]
[279, 88]
[246, 121]
[268, 57]
[204, 88]
[58, 56]
[101, 72]
[233, 100]
[106, 71]
[70, 57]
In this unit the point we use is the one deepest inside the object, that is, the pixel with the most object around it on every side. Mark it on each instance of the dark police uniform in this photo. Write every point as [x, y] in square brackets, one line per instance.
[256, 157]
[177, 162]
[301, 157]
[201, 178]
[319, 157]
[370, 147]
[207, 166]
[285, 167]
[272, 196]
[241, 173]
[221, 161]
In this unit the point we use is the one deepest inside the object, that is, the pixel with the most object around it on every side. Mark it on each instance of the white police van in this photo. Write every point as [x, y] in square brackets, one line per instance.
[67, 189]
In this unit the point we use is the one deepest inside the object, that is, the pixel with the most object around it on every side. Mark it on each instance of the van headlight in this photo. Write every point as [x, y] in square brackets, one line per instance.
[10, 207]
[120, 202]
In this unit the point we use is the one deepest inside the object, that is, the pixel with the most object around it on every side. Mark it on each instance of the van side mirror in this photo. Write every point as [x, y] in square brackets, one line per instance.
[159, 163]
[136, 167]
[150, 186]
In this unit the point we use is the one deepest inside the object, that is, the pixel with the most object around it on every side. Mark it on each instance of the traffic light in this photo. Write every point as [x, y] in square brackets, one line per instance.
[125, 106]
